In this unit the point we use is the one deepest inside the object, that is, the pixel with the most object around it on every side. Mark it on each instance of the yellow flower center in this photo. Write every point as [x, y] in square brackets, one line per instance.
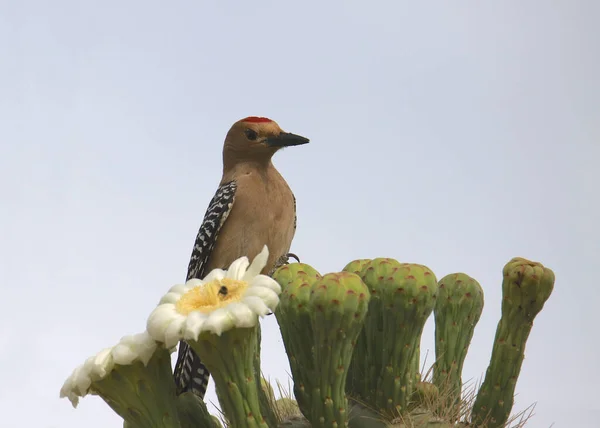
[211, 296]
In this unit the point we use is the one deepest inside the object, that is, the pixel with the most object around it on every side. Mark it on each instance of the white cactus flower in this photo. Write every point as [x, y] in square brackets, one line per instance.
[139, 347]
[224, 299]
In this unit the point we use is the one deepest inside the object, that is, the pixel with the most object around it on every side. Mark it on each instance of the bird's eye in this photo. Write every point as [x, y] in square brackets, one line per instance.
[251, 134]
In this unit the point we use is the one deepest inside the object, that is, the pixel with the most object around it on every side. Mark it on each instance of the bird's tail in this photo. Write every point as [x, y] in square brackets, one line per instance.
[190, 374]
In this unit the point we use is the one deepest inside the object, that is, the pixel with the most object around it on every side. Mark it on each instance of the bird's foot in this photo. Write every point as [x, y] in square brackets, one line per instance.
[283, 260]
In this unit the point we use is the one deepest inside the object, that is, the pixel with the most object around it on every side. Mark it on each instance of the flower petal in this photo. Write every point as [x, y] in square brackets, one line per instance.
[69, 389]
[267, 282]
[242, 314]
[170, 297]
[258, 264]
[193, 325]
[267, 295]
[214, 274]
[82, 379]
[174, 331]
[218, 321]
[139, 347]
[237, 270]
[160, 319]
[257, 305]
[103, 363]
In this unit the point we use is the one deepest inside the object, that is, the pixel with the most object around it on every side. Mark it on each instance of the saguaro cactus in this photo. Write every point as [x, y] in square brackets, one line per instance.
[526, 286]
[348, 335]
[457, 311]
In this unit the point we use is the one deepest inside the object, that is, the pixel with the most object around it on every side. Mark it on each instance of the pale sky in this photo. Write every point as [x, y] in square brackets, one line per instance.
[456, 135]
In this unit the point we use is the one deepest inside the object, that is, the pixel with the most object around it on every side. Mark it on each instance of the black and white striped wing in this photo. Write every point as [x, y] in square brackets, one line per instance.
[190, 374]
[218, 210]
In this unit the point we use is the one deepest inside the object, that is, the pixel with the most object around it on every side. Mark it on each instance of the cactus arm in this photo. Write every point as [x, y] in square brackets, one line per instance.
[338, 305]
[526, 286]
[402, 298]
[296, 280]
[458, 309]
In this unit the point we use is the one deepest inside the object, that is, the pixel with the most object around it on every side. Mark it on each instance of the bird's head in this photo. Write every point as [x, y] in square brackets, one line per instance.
[257, 138]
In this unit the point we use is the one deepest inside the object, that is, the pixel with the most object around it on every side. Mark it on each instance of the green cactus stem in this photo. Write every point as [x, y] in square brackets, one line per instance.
[292, 313]
[337, 307]
[403, 296]
[357, 370]
[193, 412]
[366, 362]
[526, 286]
[457, 311]
[230, 358]
[415, 365]
[144, 396]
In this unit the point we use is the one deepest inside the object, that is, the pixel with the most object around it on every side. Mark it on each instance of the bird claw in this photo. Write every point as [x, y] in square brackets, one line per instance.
[283, 260]
[288, 255]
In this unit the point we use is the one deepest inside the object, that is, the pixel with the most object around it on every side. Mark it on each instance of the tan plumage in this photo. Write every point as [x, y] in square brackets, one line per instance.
[264, 208]
[253, 207]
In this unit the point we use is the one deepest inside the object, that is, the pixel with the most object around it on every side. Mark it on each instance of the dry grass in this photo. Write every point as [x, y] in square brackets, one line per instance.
[433, 407]
[443, 407]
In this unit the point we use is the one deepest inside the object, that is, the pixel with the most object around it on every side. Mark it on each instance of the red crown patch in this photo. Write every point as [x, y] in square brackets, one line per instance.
[254, 119]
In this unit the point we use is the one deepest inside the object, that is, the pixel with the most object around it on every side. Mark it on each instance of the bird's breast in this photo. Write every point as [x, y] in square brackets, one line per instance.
[263, 214]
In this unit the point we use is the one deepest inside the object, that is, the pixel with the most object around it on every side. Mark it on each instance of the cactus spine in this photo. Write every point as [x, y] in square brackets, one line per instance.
[526, 286]
[457, 311]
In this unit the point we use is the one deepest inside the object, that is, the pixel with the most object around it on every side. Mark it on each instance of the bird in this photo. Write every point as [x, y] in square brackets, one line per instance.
[252, 207]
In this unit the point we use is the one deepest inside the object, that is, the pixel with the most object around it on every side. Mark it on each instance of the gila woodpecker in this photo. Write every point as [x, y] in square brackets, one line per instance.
[253, 206]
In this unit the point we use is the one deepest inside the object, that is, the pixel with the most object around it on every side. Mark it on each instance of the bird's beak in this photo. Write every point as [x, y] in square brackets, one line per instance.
[286, 139]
